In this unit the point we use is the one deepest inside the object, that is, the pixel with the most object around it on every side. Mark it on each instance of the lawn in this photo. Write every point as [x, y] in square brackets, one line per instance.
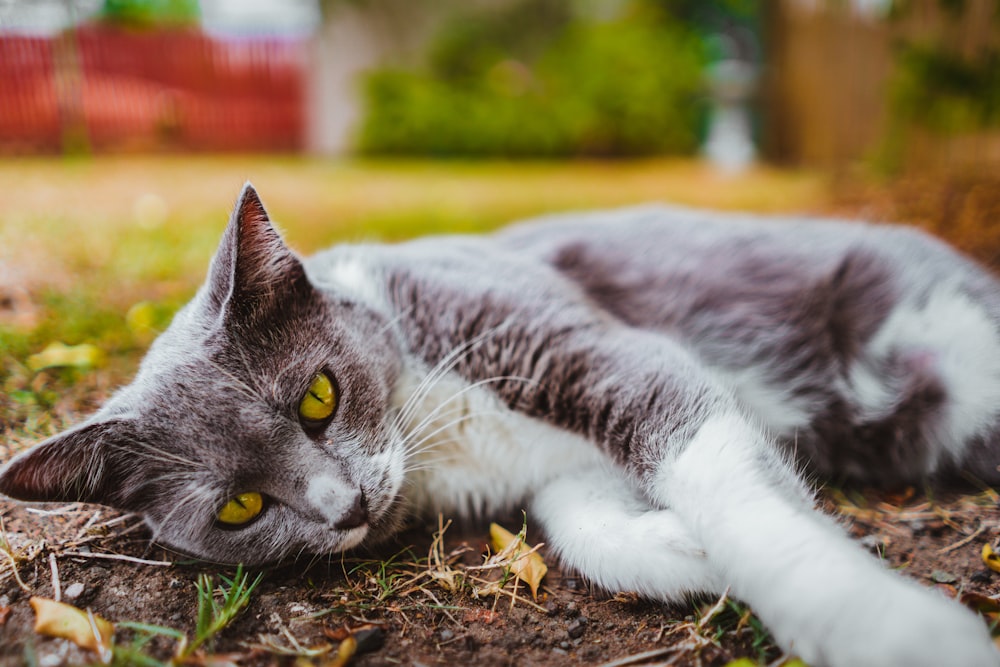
[101, 252]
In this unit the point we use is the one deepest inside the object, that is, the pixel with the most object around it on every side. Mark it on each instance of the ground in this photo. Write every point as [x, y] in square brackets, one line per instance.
[101, 252]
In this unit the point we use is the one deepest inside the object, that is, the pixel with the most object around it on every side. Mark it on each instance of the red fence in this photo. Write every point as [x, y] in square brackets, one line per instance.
[118, 90]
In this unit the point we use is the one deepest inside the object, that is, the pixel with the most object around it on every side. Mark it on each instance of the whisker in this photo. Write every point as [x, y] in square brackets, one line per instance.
[442, 368]
[434, 414]
[155, 453]
[240, 385]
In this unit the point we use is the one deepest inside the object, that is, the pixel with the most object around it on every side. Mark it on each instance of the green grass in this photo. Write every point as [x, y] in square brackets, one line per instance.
[212, 618]
[82, 241]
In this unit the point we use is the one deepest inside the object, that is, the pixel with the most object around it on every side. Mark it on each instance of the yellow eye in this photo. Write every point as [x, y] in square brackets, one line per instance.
[319, 401]
[241, 509]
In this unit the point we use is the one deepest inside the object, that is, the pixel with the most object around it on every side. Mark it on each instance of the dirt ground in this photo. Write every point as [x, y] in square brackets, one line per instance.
[411, 603]
[401, 616]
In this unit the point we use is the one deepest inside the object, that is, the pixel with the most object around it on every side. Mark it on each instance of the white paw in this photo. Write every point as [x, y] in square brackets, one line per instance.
[899, 624]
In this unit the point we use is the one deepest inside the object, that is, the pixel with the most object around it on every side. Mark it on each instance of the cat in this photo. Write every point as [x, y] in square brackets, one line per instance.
[650, 381]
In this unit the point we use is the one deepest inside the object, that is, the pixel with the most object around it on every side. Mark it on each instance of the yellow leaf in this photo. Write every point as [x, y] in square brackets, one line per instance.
[59, 355]
[528, 567]
[83, 628]
[345, 652]
[991, 558]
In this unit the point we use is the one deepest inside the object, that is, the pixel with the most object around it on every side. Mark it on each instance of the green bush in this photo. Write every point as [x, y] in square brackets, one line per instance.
[630, 86]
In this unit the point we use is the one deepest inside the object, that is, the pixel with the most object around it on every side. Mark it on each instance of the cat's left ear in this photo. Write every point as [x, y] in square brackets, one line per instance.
[78, 465]
[253, 270]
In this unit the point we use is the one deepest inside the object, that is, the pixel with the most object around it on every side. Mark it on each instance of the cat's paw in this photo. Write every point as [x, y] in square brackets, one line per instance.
[902, 625]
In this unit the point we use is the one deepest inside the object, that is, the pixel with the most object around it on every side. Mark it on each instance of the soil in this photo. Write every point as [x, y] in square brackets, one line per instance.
[317, 603]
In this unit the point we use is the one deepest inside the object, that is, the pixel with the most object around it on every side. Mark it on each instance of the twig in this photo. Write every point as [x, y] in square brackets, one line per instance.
[56, 588]
[439, 604]
[962, 542]
[59, 511]
[639, 657]
[131, 559]
[714, 611]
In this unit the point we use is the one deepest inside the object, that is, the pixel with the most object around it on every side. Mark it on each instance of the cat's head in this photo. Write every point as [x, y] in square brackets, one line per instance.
[258, 425]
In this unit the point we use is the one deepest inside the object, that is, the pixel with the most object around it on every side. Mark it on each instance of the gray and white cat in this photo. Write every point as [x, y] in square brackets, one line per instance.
[646, 380]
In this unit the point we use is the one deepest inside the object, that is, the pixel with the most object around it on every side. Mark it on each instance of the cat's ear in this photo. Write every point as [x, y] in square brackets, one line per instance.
[75, 466]
[253, 270]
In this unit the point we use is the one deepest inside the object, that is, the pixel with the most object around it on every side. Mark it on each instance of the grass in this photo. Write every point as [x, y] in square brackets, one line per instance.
[83, 241]
[212, 618]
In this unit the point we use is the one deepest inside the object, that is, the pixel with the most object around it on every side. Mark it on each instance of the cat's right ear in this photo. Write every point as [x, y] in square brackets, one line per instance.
[253, 270]
[75, 466]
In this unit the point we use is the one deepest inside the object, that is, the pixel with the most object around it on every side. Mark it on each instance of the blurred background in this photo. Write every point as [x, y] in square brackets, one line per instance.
[911, 83]
[128, 126]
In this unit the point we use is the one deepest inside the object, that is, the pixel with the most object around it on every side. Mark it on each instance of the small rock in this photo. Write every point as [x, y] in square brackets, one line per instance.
[369, 640]
[176, 583]
[982, 577]
[942, 577]
[564, 646]
[559, 651]
[571, 611]
[576, 629]
[73, 591]
[552, 607]
[446, 635]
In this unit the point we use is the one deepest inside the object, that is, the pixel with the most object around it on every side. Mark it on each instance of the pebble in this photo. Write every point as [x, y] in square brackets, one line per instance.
[369, 640]
[564, 646]
[571, 610]
[73, 591]
[576, 629]
[981, 577]
[446, 635]
[552, 607]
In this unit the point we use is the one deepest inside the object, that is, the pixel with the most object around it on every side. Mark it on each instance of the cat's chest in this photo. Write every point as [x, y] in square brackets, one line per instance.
[469, 454]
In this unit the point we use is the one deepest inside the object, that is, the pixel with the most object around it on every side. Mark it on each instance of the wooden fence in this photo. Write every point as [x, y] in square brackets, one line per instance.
[106, 90]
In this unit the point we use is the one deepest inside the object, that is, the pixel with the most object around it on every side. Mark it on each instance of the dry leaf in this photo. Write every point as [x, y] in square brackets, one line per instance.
[991, 558]
[57, 355]
[83, 628]
[345, 651]
[529, 567]
[979, 602]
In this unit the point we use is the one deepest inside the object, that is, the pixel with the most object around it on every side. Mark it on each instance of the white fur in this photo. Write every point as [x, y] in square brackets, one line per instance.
[330, 497]
[352, 273]
[964, 349]
[474, 465]
[780, 410]
[817, 591]
[603, 528]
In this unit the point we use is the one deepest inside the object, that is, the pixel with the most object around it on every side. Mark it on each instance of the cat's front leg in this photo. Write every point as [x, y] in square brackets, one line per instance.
[821, 595]
[603, 528]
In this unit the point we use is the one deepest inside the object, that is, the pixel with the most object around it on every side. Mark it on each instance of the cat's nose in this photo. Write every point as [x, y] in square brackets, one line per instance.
[356, 516]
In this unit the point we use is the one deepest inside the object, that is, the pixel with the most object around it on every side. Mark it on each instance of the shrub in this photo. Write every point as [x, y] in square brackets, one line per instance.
[630, 86]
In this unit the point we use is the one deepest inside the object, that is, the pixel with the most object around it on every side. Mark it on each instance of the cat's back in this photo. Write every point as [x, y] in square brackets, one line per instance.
[655, 265]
